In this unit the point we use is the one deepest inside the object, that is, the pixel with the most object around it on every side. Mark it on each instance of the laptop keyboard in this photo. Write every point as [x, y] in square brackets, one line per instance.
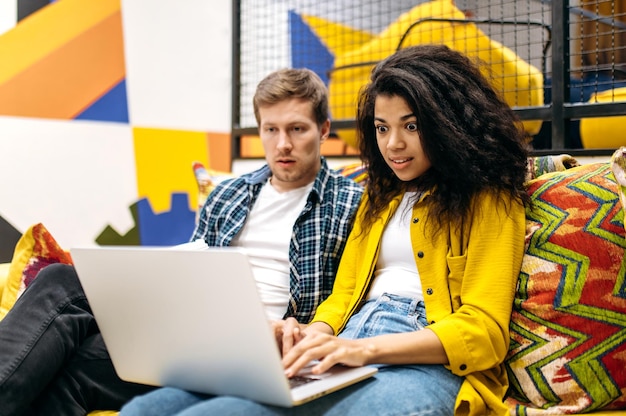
[296, 381]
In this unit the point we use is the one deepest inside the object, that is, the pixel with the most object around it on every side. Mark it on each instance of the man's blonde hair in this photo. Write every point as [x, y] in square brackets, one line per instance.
[293, 83]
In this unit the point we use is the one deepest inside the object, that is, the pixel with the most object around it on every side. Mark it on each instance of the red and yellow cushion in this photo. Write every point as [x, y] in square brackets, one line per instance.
[35, 250]
[206, 180]
[568, 328]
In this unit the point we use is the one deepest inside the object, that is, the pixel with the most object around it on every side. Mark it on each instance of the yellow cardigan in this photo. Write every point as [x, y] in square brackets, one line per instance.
[468, 280]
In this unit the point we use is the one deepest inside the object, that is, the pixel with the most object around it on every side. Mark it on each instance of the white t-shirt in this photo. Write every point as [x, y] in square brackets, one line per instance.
[396, 272]
[265, 237]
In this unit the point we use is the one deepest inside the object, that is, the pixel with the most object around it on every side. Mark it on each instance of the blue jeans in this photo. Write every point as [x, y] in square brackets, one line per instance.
[394, 390]
[53, 360]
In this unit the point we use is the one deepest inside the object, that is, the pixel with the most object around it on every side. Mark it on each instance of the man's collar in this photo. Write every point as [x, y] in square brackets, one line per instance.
[321, 179]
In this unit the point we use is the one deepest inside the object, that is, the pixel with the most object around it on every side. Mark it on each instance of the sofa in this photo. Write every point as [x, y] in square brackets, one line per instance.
[567, 352]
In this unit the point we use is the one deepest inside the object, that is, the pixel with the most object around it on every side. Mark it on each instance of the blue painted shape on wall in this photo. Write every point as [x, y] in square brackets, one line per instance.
[168, 228]
[307, 50]
[112, 106]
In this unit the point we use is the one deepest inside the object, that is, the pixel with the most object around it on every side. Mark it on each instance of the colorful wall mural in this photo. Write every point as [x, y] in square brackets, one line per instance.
[104, 106]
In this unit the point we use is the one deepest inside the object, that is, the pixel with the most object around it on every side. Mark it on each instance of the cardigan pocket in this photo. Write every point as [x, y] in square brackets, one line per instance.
[456, 267]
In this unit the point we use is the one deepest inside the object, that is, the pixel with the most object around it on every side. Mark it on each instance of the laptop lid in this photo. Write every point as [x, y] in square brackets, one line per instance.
[191, 319]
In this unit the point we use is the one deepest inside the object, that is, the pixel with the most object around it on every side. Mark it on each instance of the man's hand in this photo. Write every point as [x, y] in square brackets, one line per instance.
[288, 333]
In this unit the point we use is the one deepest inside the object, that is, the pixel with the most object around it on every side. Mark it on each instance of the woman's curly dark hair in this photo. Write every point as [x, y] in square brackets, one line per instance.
[473, 139]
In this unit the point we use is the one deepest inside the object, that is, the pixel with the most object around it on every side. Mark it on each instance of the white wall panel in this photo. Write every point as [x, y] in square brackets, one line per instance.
[178, 63]
[74, 177]
[8, 15]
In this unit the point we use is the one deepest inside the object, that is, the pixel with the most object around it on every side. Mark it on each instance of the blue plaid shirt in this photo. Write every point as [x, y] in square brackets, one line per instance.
[318, 238]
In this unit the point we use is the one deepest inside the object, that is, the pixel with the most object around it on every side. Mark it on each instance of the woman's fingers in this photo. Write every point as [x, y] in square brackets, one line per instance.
[313, 346]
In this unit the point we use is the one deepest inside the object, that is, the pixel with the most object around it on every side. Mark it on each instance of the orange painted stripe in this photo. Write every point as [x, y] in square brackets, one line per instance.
[219, 151]
[41, 33]
[72, 77]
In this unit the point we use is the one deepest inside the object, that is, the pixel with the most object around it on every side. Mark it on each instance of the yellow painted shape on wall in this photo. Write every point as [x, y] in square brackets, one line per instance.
[338, 38]
[164, 164]
[47, 30]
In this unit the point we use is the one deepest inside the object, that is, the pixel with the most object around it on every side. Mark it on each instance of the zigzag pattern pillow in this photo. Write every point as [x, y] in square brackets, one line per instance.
[568, 328]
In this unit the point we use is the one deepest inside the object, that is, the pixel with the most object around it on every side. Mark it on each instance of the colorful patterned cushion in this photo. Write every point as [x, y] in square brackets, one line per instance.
[35, 250]
[354, 171]
[206, 181]
[568, 327]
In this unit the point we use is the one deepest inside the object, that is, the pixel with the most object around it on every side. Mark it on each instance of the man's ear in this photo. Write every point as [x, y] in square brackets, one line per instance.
[325, 130]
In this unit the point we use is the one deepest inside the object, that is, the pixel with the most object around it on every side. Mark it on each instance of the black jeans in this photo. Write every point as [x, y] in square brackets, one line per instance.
[53, 360]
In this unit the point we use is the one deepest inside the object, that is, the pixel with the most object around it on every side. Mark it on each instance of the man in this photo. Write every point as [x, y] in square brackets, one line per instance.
[292, 216]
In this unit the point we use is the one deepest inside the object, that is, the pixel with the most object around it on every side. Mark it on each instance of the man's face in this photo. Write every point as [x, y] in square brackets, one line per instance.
[291, 139]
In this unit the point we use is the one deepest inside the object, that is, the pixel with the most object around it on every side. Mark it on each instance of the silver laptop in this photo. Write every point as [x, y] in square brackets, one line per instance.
[193, 319]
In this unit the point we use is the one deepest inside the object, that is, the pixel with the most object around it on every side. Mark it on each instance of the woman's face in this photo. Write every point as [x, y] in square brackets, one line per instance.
[398, 138]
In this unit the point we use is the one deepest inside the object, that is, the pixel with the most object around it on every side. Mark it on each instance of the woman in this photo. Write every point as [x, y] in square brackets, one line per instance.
[425, 285]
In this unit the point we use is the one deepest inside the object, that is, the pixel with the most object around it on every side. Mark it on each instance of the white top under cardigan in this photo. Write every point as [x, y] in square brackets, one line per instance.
[396, 272]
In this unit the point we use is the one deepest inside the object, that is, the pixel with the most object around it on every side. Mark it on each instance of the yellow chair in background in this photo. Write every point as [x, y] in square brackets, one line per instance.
[604, 132]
